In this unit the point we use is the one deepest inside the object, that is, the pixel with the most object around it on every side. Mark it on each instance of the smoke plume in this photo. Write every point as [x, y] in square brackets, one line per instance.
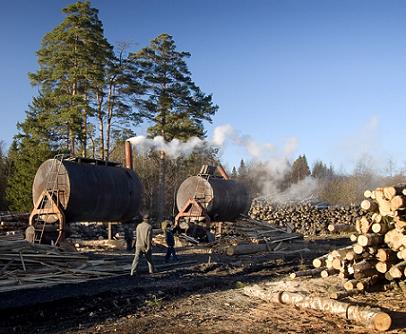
[268, 167]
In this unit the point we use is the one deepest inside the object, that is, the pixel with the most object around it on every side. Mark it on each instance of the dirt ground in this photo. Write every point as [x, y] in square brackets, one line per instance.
[231, 311]
[200, 298]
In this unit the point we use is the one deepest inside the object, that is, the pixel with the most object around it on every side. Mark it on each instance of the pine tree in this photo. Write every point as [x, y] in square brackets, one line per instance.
[72, 62]
[320, 170]
[234, 173]
[300, 169]
[28, 150]
[242, 169]
[171, 100]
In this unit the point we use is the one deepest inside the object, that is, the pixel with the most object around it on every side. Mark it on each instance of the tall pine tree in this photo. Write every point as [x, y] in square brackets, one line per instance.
[171, 101]
[72, 64]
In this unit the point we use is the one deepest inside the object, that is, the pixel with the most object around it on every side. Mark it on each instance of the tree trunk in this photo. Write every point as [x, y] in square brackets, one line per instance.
[101, 124]
[161, 185]
[84, 132]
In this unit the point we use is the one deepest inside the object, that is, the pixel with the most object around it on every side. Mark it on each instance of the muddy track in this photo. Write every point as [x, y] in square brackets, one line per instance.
[115, 297]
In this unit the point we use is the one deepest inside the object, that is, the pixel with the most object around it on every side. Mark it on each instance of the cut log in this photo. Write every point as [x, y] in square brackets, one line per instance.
[369, 205]
[350, 284]
[364, 265]
[401, 254]
[320, 261]
[365, 225]
[327, 272]
[385, 255]
[353, 237]
[376, 217]
[311, 272]
[343, 294]
[380, 228]
[368, 282]
[370, 239]
[341, 252]
[398, 202]
[337, 263]
[351, 256]
[367, 193]
[366, 273]
[357, 248]
[371, 318]
[340, 228]
[397, 270]
[244, 249]
[395, 239]
[382, 267]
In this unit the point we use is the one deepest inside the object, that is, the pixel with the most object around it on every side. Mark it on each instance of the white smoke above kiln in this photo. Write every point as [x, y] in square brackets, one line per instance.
[268, 167]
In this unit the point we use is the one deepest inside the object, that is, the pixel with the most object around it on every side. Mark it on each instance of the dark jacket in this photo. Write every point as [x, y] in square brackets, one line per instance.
[169, 237]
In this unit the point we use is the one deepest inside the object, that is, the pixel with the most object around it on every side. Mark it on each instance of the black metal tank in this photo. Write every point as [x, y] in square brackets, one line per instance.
[223, 199]
[90, 191]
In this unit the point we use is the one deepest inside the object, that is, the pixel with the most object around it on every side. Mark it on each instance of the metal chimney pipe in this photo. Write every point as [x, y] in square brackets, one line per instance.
[128, 155]
[222, 172]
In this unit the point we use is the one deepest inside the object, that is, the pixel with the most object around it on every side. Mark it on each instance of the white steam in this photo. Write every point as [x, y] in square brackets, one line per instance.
[268, 168]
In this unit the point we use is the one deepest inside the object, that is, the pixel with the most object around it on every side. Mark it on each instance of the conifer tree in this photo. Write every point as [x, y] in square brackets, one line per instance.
[171, 101]
[30, 147]
[300, 169]
[72, 63]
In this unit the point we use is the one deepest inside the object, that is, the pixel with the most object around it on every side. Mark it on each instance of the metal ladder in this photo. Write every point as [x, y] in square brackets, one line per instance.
[52, 188]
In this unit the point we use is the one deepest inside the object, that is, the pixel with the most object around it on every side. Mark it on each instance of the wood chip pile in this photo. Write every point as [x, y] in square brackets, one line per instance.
[306, 218]
[378, 252]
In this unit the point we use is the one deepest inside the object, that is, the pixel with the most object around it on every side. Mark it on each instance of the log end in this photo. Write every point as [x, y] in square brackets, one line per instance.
[382, 321]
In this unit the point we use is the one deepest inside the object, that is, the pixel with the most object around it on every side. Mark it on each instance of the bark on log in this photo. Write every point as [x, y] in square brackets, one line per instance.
[339, 228]
[327, 272]
[366, 273]
[320, 261]
[370, 239]
[303, 273]
[371, 318]
[343, 294]
[368, 282]
[369, 205]
[244, 249]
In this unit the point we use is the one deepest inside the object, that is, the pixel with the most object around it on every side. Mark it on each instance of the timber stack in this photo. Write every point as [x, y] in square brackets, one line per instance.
[378, 252]
[248, 236]
[307, 218]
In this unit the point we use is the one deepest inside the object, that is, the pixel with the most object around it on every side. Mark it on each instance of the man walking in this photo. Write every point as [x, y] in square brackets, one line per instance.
[143, 245]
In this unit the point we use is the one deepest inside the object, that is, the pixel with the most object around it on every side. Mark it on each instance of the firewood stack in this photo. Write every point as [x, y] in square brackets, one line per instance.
[378, 252]
[307, 218]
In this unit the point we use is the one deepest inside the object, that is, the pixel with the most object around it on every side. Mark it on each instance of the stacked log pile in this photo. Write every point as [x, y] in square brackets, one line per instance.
[307, 218]
[13, 222]
[378, 252]
[248, 236]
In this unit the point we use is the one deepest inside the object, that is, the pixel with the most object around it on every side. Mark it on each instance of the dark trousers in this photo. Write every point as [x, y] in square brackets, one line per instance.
[148, 257]
[170, 251]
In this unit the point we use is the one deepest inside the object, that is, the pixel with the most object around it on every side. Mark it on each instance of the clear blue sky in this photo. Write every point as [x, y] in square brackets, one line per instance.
[330, 73]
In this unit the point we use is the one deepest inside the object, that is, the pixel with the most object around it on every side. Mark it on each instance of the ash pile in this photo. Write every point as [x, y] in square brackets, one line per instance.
[306, 217]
